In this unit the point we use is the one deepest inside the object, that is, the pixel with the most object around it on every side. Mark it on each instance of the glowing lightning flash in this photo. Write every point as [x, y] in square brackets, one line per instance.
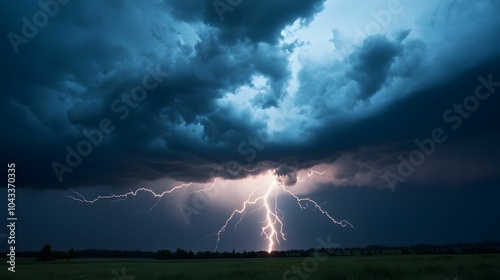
[272, 227]
[270, 230]
[121, 197]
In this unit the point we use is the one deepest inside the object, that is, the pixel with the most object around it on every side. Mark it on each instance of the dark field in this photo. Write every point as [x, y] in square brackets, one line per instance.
[382, 267]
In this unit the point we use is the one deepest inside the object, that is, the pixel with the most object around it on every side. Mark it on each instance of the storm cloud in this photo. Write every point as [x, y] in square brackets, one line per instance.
[189, 96]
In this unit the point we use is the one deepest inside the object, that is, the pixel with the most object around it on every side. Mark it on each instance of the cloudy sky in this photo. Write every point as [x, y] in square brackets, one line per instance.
[390, 106]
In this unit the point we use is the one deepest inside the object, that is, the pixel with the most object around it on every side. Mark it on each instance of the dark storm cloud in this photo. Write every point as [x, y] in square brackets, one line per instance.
[88, 56]
[259, 21]
[286, 175]
[393, 131]
[371, 63]
[66, 78]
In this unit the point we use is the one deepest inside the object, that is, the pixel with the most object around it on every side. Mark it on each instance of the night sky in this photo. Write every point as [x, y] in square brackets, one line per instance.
[390, 106]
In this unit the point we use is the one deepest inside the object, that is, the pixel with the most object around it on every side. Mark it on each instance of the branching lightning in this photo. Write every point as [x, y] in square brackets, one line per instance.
[121, 197]
[273, 223]
[261, 198]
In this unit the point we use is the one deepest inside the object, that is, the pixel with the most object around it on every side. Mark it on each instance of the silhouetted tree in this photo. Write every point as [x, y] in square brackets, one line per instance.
[45, 254]
[71, 254]
[58, 255]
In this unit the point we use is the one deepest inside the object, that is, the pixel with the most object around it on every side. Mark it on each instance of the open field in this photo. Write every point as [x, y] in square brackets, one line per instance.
[456, 267]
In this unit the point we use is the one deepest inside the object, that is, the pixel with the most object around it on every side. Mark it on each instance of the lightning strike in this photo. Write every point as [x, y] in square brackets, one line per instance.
[121, 197]
[262, 198]
[273, 223]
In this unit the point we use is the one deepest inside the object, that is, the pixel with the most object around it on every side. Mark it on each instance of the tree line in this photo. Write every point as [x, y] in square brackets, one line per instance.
[46, 254]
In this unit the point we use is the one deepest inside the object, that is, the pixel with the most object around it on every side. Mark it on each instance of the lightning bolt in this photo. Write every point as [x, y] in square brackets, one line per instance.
[121, 197]
[261, 198]
[273, 223]
[310, 172]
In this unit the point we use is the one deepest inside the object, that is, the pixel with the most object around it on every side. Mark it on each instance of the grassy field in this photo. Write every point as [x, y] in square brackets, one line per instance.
[362, 268]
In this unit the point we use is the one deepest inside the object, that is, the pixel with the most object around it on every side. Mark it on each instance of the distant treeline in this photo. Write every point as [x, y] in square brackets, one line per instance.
[47, 254]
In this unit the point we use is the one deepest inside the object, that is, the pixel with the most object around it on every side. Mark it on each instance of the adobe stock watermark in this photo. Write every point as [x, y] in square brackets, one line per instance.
[310, 264]
[201, 198]
[250, 149]
[455, 118]
[223, 6]
[30, 28]
[121, 107]
[381, 19]
[122, 276]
